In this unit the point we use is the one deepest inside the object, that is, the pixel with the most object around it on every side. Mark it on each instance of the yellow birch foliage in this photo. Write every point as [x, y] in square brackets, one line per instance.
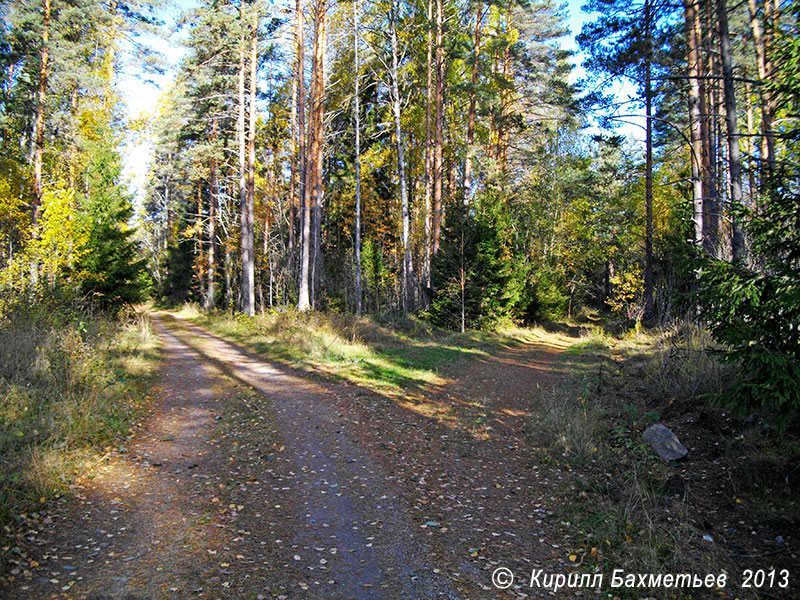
[58, 243]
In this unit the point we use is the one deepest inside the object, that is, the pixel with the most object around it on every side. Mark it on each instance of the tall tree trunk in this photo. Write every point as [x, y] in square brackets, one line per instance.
[292, 177]
[302, 167]
[228, 266]
[301, 109]
[357, 116]
[211, 225]
[506, 99]
[648, 237]
[476, 50]
[734, 161]
[751, 132]
[39, 121]
[760, 41]
[240, 134]
[268, 254]
[408, 267]
[316, 218]
[428, 157]
[199, 263]
[248, 232]
[438, 165]
[462, 272]
[314, 164]
[692, 18]
[710, 180]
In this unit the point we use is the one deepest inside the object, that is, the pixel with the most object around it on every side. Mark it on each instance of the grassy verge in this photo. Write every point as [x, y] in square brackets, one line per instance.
[71, 383]
[400, 358]
[621, 507]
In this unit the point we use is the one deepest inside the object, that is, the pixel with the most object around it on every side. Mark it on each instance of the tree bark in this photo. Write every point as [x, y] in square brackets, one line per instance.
[428, 157]
[39, 121]
[358, 159]
[199, 263]
[316, 218]
[711, 142]
[692, 18]
[506, 95]
[211, 225]
[751, 132]
[476, 50]
[314, 164]
[760, 41]
[248, 229]
[438, 166]
[648, 238]
[301, 109]
[292, 177]
[734, 160]
[228, 266]
[241, 139]
[408, 267]
[303, 303]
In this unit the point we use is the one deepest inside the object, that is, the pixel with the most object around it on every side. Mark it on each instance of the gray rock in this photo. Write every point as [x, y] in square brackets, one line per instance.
[664, 442]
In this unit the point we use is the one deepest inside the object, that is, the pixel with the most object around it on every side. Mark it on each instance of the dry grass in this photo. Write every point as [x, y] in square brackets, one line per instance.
[621, 506]
[70, 384]
[568, 421]
[401, 358]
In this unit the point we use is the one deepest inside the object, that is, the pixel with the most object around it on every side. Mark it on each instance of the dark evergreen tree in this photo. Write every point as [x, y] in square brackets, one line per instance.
[755, 310]
[178, 283]
[111, 274]
[477, 282]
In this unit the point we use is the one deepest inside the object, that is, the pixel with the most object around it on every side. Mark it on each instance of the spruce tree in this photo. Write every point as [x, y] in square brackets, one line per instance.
[110, 272]
[477, 281]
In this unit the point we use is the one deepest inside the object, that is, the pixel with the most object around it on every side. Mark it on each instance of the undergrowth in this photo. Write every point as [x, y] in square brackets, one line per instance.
[71, 383]
[621, 506]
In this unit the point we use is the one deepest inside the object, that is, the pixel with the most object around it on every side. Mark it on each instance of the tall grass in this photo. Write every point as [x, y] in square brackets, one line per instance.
[71, 383]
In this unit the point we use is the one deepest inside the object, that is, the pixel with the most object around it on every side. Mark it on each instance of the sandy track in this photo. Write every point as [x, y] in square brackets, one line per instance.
[252, 480]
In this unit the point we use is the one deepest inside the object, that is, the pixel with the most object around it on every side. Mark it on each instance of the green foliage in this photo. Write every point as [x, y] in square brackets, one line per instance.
[14, 217]
[755, 310]
[628, 288]
[373, 266]
[177, 281]
[110, 273]
[756, 314]
[546, 296]
[477, 281]
[48, 260]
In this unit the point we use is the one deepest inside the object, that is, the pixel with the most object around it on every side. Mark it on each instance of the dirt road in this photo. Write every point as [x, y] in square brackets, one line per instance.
[251, 481]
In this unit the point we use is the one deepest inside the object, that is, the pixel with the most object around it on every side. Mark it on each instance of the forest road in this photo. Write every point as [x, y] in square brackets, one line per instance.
[254, 481]
[344, 507]
[223, 495]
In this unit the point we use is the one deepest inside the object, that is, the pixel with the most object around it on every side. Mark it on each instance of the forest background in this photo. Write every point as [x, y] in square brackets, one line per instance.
[430, 158]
